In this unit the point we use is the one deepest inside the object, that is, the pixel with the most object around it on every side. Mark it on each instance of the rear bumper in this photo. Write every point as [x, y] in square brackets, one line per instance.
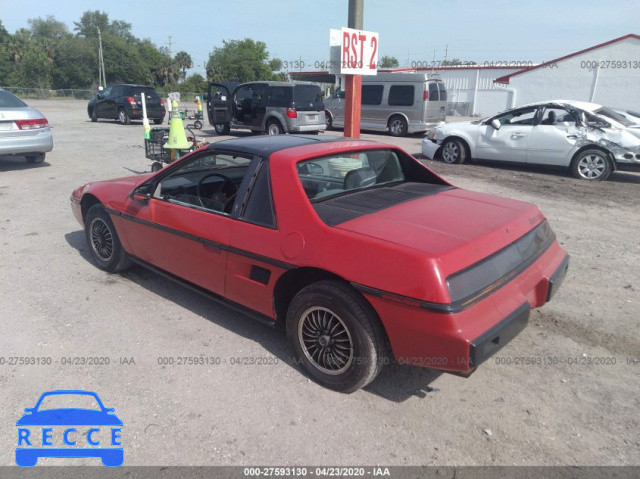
[303, 128]
[152, 114]
[34, 141]
[459, 342]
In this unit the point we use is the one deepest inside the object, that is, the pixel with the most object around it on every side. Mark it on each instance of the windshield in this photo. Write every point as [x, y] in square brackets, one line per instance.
[614, 115]
[342, 173]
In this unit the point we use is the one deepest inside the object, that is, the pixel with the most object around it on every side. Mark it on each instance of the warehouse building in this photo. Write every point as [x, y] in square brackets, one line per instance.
[608, 74]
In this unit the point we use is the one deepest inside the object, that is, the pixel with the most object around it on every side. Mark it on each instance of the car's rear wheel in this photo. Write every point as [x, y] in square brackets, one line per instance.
[453, 151]
[336, 335]
[94, 115]
[104, 244]
[35, 158]
[274, 128]
[123, 117]
[328, 120]
[222, 128]
[398, 126]
[591, 165]
[158, 121]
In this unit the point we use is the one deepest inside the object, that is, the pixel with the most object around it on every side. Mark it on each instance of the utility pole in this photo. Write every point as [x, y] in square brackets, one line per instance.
[102, 80]
[170, 47]
[353, 83]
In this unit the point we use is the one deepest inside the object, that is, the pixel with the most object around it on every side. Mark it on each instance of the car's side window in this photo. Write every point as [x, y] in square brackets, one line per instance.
[210, 182]
[523, 116]
[106, 92]
[557, 116]
[259, 208]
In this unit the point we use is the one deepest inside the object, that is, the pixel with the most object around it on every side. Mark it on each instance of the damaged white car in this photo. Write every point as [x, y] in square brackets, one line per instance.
[577, 135]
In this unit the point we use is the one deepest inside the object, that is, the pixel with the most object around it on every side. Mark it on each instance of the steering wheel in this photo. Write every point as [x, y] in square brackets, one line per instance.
[225, 180]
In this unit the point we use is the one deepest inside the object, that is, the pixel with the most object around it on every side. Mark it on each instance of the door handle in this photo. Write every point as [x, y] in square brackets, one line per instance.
[572, 137]
[517, 135]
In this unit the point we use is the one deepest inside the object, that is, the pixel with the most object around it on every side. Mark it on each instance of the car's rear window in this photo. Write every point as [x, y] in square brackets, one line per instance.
[149, 92]
[341, 173]
[8, 100]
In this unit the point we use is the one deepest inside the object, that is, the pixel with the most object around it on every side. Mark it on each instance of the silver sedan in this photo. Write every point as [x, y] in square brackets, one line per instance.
[24, 131]
[564, 133]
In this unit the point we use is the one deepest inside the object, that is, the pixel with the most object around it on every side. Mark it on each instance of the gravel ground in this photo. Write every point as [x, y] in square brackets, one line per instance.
[578, 407]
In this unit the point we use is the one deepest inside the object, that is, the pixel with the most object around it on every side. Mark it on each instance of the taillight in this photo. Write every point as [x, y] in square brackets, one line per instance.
[132, 101]
[292, 113]
[34, 124]
[425, 94]
[161, 101]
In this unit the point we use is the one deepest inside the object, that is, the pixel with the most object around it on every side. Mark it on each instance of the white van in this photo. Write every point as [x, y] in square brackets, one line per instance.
[399, 103]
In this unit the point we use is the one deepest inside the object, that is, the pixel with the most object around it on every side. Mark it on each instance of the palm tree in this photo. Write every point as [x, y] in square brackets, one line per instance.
[183, 60]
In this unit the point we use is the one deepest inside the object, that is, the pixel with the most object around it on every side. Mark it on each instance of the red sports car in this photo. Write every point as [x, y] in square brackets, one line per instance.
[355, 248]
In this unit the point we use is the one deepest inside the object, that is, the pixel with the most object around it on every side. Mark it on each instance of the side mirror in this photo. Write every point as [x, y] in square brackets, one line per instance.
[141, 194]
[495, 123]
[99, 96]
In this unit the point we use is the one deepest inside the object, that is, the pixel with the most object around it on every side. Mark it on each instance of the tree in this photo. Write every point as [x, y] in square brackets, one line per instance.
[388, 62]
[240, 60]
[47, 28]
[183, 61]
[92, 20]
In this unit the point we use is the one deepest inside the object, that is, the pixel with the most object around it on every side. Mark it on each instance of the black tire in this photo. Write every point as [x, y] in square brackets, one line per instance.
[94, 115]
[123, 117]
[156, 166]
[35, 158]
[398, 126]
[453, 151]
[222, 128]
[104, 245]
[158, 121]
[328, 120]
[591, 165]
[350, 322]
[274, 128]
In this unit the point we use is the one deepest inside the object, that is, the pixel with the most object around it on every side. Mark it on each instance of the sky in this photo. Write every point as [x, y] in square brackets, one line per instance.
[411, 30]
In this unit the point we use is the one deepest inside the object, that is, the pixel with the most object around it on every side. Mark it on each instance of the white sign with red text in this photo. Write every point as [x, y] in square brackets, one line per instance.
[359, 52]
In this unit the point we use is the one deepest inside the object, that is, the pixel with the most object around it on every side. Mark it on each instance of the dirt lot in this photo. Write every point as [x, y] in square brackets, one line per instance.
[579, 407]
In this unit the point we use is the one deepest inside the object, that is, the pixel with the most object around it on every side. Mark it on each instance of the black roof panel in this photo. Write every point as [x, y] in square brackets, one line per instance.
[265, 145]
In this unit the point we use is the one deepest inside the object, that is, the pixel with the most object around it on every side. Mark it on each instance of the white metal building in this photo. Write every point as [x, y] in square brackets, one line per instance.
[608, 74]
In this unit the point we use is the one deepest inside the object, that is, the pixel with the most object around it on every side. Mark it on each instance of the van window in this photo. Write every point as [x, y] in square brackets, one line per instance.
[281, 96]
[372, 94]
[443, 91]
[401, 95]
[434, 94]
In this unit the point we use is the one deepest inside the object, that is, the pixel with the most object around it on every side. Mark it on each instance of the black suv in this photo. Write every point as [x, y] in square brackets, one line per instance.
[123, 103]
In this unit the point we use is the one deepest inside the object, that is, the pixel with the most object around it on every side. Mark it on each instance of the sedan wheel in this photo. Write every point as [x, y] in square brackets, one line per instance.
[591, 165]
[453, 151]
[336, 336]
[104, 245]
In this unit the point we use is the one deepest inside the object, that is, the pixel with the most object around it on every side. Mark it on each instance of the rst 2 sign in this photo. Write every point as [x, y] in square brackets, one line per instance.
[359, 53]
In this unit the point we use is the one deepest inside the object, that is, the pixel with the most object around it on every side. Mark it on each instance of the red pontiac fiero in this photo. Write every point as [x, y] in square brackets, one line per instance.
[355, 248]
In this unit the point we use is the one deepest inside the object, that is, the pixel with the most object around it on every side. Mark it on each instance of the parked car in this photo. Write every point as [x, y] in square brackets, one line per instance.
[24, 131]
[124, 103]
[580, 136]
[266, 107]
[398, 103]
[353, 247]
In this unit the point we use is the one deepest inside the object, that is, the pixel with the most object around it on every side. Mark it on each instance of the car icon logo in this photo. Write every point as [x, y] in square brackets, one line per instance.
[58, 432]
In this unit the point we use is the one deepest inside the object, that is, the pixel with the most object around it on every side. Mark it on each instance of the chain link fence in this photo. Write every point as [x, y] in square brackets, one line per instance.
[74, 94]
[462, 108]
